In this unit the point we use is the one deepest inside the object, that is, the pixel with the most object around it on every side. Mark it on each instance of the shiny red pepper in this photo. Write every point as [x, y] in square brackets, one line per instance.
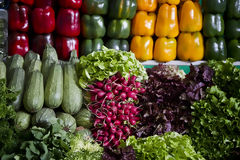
[18, 44]
[74, 4]
[43, 20]
[18, 17]
[68, 22]
[38, 42]
[28, 2]
[64, 46]
[44, 3]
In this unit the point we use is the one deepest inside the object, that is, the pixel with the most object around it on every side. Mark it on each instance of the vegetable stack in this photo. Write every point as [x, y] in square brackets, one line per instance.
[232, 28]
[190, 41]
[213, 29]
[120, 14]
[93, 28]
[67, 27]
[166, 30]
[143, 26]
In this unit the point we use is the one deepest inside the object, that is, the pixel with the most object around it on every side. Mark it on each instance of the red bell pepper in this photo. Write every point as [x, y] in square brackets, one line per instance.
[68, 22]
[74, 4]
[64, 46]
[39, 42]
[43, 20]
[18, 44]
[18, 17]
[28, 2]
[44, 3]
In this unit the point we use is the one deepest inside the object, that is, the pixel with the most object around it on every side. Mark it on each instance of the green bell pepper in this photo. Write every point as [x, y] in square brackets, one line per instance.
[233, 9]
[122, 9]
[119, 29]
[213, 25]
[97, 7]
[90, 45]
[234, 49]
[232, 29]
[92, 26]
[215, 48]
[214, 6]
[117, 44]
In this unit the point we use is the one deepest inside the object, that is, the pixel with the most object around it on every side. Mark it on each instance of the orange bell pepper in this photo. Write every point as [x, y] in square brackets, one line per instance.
[147, 5]
[175, 2]
[143, 24]
[142, 47]
[190, 46]
[167, 21]
[190, 17]
[165, 49]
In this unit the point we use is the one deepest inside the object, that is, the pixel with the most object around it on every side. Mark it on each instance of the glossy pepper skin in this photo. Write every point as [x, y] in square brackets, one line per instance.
[147, 5]
[97, 7]
[118, 44]
[165, 49]
[27, 2]
[64, 46]
[233, 9]
[92, 26]
[190, 46]
[142, 47]
[43, 20]
[167, 21]
[122, 9]
[90, 45]
[175, 2]
[18, 43]
[233, 49]
[143, 24]
[214, 6]
[68, 22]
[44, 3]
[38, 42]
[232, 30]
[119, 29]
[215, 49]
[190, 17]
[213, 25]
[18, 17]
[73, 4]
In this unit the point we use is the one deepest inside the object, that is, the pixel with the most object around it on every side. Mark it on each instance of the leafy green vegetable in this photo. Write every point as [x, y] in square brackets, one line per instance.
[216, 125]
[103, 64]
[170, 146]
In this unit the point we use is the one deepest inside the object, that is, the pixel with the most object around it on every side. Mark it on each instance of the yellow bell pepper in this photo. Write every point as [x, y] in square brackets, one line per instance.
[167, 21]
[175, 2]
[190, 46]
[165, 49]
[190, 17]
[147, 5]
[143, 24]
[142, 47]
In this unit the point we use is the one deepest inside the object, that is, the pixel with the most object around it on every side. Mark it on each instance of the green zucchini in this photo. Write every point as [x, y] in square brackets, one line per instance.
[33, 98]
[72, 96]
[74, 58]
[22, 121]
[69, 122]
[34, 65]
[54, 87]
[16, 61]
[46, 65]
[30, 56]
[16, 83]
[2, 70]
[50, 52]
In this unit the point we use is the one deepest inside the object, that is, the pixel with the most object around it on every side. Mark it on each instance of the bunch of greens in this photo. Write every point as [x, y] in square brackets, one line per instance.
[171, 145]
[102, 64]
[7, 116]
[216, 125]
[125, 153]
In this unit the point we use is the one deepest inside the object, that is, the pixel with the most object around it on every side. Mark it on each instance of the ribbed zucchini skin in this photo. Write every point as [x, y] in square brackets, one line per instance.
[46, 65]
[30, 56]
[54, 87]
[34, 94]
[16, 83]
[2, 70]
[16, 61]
[50, 53]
